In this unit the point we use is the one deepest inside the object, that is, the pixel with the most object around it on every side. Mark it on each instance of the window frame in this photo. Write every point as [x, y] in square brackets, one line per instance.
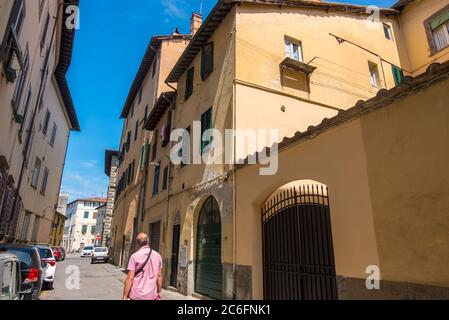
[430, 32]
[20, 82]
[44, 180]
[388, 31]
[156, 178]
[46, 123]
[289, 42]
[36, 173]
[54, 131]
[207, 69]
[373, 66]
[190, 77]
[206, 118]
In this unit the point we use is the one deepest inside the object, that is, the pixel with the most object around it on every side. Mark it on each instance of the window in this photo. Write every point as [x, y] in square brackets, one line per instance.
[184, 153]
[387, 31]
[374, 74]
[146, 114]
[35, 229]
[36, 173]
[207, 60]
[93, 229]
[293, 49]
[25, 224]
[437, 30]
[45, 31]
[165, 181]
[17, 96]
[84, 229]
[144, 156]
[44, 181]
[206, 124]
[25, 113]
[12, 47]
[128, 141]
[154, 148]
[132, 110]
[86, 214]
[189, 83]
[53, 134]
[398, 74]
[140, 95]
[157, 171]
[441, 36]
[46, 122]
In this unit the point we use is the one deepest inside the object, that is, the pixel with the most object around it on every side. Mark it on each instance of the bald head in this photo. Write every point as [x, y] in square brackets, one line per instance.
[142, 239]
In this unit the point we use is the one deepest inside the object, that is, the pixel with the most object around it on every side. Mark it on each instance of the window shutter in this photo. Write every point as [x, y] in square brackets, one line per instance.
[439, 21]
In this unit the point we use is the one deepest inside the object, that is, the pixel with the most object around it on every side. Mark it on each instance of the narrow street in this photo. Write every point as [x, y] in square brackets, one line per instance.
[99, 281]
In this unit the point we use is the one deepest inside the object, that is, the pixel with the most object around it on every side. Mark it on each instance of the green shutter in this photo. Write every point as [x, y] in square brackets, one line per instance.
[398, 74]
[440, 20]
[189, 83]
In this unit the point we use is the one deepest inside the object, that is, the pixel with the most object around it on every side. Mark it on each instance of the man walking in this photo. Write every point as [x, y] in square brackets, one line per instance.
[144, 280]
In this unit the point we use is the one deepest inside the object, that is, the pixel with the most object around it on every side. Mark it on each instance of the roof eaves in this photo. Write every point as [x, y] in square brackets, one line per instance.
[145, 65]
[223, 7]
[65, 58]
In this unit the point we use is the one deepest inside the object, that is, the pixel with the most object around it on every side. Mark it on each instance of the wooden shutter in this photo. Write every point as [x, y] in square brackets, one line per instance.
[155, 235]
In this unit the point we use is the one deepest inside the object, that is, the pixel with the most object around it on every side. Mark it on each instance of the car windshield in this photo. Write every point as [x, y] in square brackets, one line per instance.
[45, 253]
[88, 248]
[101, 250]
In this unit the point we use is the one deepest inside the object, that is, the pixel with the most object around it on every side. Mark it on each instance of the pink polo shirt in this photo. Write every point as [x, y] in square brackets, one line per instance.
[145, 284]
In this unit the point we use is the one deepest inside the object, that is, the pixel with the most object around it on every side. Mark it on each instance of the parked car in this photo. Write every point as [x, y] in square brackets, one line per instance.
[31, 269]
[62, 253]
[49, 261]
[10, 276]
[58, 253]
[100, 254]
[87, 251]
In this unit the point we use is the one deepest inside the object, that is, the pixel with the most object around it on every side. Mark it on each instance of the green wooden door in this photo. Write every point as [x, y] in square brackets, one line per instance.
[208, 257]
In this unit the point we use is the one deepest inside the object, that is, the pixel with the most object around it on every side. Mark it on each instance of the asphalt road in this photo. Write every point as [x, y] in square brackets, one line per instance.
[78, 279]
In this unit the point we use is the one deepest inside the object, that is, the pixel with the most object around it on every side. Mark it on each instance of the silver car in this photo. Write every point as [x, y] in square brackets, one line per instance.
[100, 254]
[10, 276]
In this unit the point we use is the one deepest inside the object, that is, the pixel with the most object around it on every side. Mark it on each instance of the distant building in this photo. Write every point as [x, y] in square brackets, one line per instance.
[81, 223]
[110, 169]
[100, 228]
[62, 203]
[57, 229]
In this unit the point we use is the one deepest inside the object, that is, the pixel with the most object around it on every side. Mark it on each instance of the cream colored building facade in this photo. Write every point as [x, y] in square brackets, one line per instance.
[135, 162]
[292, 66]
[80, 228]
[36, 117]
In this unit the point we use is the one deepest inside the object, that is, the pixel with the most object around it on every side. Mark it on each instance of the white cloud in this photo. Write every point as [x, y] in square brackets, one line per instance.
[175, 8]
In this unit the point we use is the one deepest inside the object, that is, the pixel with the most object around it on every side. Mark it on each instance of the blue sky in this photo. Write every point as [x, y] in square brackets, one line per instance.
[109, 46]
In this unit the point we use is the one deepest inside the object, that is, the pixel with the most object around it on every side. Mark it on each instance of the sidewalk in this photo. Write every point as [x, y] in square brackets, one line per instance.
[120, 274]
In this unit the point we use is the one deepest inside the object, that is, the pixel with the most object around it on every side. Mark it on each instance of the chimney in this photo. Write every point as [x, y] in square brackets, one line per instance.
[195, 23]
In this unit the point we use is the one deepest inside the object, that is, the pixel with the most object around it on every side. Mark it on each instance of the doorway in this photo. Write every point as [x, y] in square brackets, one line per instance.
[209, 270]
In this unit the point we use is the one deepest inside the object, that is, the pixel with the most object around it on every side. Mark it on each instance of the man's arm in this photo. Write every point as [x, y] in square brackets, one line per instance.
[128, 284]
[159, 281]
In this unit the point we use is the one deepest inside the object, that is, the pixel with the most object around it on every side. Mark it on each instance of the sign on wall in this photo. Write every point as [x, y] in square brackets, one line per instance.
[183, 257]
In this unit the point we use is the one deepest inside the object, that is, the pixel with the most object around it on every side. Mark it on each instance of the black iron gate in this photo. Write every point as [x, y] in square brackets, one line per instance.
[298, 254]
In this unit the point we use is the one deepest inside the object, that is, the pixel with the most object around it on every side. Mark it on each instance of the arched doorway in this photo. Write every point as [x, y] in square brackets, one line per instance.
[208, 275]
[298, 254]
[175, 251]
